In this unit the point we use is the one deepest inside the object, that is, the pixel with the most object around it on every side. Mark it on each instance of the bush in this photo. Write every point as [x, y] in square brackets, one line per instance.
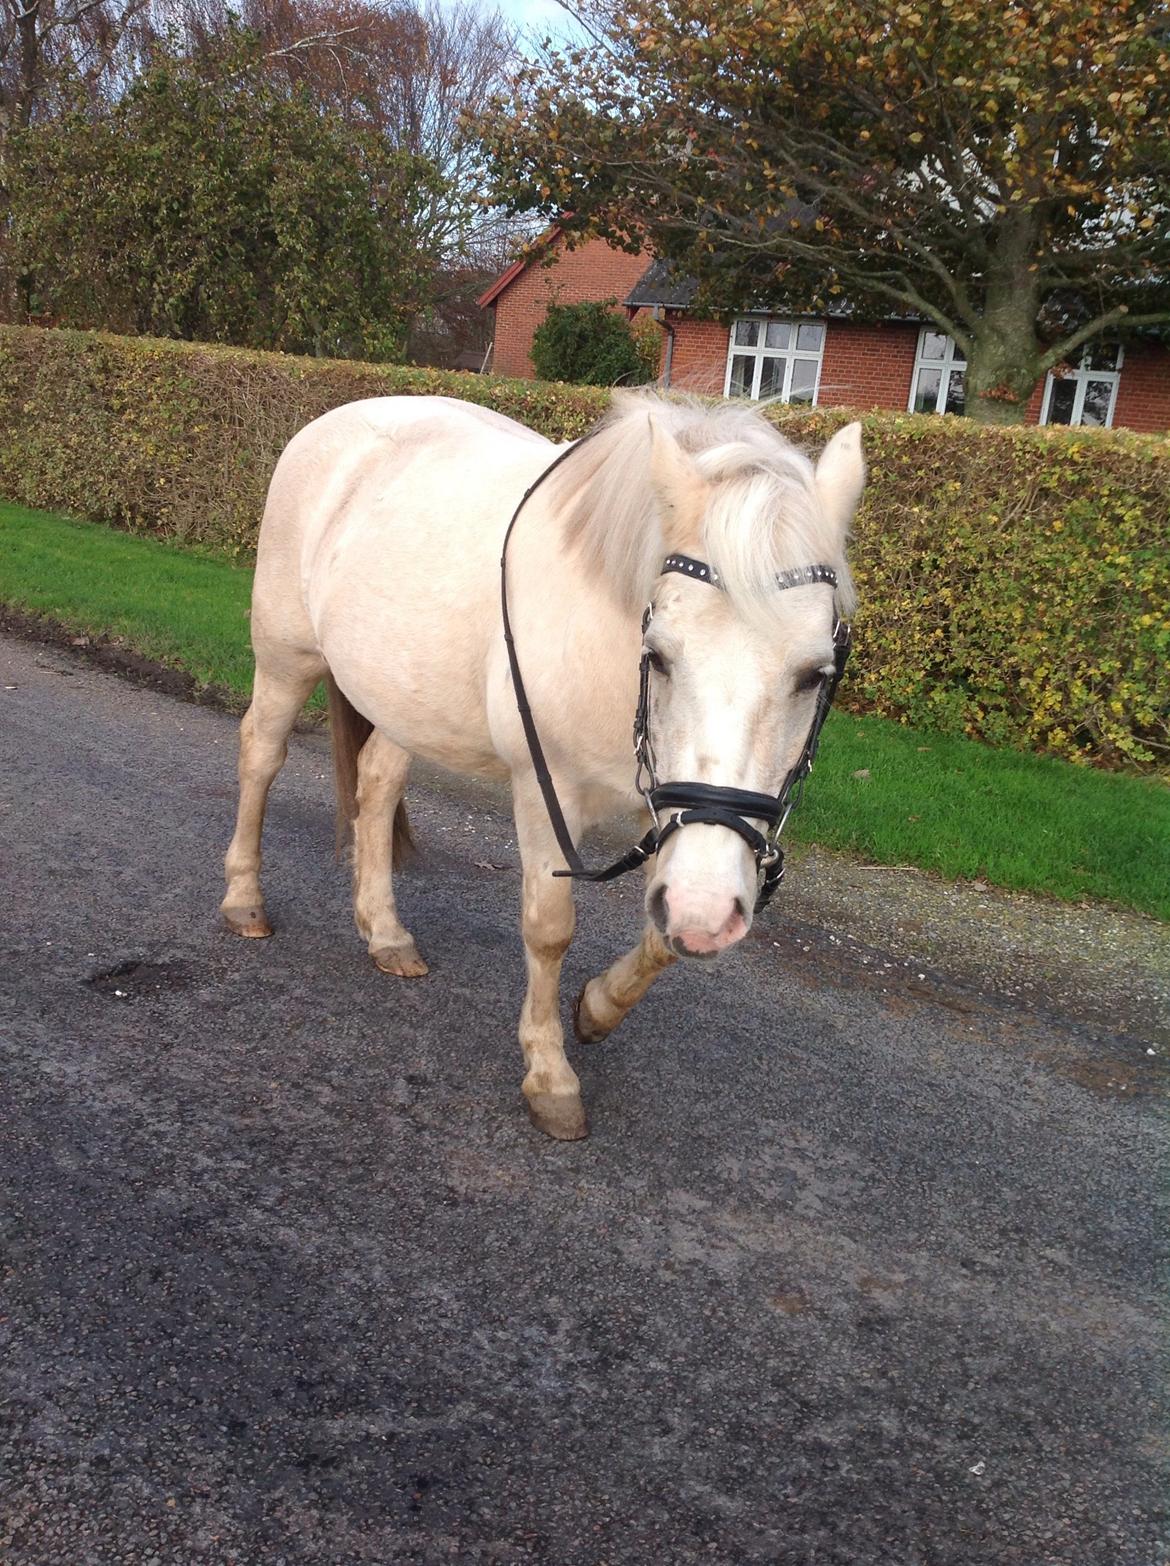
[180, 439]
[1014, 582]
[209, 204]
[588, 345]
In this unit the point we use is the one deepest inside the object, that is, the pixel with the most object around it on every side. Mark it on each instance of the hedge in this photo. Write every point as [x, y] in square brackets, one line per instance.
[1015, 584]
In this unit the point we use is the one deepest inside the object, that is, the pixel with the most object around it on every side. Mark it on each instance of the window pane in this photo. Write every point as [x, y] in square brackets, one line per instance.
[956, 392]
[742, 368]
[747, 333]
[771, 376]
[779, 334]
[1101, 356]
[804, 380]
[926, 391]
[934, 345]
[1060, 402]
[1096, 408]
[810, 336]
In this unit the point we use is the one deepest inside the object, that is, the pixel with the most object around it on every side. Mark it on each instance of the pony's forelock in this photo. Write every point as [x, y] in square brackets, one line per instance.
[762, 515]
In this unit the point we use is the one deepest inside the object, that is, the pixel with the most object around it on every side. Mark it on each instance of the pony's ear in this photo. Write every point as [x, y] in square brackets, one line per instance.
[840, 477]
[679, 488]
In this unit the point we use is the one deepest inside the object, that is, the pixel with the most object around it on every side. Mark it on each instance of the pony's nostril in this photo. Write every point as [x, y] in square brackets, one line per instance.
[656, 907]
[737, 924]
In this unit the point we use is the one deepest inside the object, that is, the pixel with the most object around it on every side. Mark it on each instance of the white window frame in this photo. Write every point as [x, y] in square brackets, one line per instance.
[1082, 375]
[952, 362]
[789, 355]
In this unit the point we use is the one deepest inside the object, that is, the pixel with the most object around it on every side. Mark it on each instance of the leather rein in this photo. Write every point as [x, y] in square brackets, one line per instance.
[692, 803]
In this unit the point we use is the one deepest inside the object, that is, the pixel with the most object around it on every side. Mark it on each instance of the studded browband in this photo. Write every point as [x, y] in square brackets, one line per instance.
[798, 576]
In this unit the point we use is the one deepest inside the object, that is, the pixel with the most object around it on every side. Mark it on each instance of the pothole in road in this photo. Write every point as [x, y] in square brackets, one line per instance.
[139, 979]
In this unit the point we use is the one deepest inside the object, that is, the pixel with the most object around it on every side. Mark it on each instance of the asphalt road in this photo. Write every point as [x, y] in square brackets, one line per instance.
[849, 1272]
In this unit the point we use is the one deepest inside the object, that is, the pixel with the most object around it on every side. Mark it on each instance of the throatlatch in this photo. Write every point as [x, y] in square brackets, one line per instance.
[693, 803]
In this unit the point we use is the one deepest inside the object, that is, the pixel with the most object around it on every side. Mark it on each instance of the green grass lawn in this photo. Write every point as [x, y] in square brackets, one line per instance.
[1031, 823]
[946, 805]
[186, 609]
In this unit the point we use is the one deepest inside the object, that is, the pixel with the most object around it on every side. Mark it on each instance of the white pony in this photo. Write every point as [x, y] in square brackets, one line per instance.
[379, 570]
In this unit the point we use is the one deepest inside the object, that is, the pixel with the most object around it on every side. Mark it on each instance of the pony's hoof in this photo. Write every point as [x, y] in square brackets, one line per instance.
[250, 921]
[402, 961]
[587, 1030]
[559, 1115]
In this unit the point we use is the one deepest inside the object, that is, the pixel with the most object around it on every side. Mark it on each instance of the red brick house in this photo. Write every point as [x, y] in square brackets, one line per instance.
[830, 360]
[520, 296]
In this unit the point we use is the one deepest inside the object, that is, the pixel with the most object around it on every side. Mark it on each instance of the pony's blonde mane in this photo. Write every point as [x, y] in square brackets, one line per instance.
[763, 514]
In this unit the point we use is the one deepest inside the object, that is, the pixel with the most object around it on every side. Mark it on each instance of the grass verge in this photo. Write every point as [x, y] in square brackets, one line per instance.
[185, 609]
[951, 806]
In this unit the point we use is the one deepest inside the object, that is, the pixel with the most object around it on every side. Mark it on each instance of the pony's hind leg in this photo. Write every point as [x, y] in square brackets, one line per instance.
[380, 833]
[277, 698]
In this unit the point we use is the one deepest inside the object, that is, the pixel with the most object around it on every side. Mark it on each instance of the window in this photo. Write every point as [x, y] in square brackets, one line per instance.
[939, 368]
[1087, 394]
[780, 359]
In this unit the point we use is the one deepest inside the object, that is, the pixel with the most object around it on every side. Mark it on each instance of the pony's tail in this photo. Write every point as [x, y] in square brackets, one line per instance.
[349, 731]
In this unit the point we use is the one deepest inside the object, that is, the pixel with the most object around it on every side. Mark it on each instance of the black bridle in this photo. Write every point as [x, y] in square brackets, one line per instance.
[693, 803]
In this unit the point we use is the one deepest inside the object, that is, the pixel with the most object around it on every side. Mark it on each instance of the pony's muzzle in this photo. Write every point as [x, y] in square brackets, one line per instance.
[697, 925]
[702, 896]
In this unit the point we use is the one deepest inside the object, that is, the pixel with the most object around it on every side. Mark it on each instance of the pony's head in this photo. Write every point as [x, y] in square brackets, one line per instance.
[735, 670]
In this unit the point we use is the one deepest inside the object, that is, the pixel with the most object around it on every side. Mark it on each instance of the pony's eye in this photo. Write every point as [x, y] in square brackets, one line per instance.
[810, 680]
[657, 662]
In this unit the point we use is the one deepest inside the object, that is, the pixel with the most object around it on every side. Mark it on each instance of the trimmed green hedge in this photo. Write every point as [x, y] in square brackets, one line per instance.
[180, 439]
[1015, 584]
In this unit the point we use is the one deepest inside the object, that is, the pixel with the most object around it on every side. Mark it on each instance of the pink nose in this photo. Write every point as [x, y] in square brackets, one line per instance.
[701, 926]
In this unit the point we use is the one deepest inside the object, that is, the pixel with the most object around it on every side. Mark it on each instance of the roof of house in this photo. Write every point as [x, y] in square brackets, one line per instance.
[661, 285]
[521, 264]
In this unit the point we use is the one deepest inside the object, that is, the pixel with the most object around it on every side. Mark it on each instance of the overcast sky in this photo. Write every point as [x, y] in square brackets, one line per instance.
[537, 16]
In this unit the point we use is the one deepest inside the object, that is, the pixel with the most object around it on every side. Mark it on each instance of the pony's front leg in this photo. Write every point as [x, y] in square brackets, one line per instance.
[605, 1000]
[550, 1086]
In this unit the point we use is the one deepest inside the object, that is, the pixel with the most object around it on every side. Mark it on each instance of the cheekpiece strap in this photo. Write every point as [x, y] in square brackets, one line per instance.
[798, 576]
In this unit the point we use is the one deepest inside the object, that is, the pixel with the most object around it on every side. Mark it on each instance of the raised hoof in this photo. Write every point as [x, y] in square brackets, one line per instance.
[586, 1030]
[251, 922]
[403, 961]
[559, 1115]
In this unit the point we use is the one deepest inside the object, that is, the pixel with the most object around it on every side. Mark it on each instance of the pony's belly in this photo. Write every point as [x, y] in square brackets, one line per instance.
[427, 711]
[402, 611]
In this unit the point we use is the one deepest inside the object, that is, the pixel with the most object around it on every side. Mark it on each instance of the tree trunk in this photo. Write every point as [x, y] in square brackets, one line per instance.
[1002, 369]
[30, 63]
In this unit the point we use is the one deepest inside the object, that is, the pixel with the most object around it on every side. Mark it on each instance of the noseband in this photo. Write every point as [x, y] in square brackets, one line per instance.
[691, 803]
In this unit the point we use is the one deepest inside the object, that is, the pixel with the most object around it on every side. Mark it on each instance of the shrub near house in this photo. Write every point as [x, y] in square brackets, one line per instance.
[1014, 583]
[588, 345]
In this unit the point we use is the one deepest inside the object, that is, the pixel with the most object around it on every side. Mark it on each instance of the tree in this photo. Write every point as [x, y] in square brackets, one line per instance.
[589, 345]
[1001, 171]
[405, 70]
[51, 49]
[209, 204]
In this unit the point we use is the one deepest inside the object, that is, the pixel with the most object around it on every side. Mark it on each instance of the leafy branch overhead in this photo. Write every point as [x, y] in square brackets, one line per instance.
[1001, 171]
